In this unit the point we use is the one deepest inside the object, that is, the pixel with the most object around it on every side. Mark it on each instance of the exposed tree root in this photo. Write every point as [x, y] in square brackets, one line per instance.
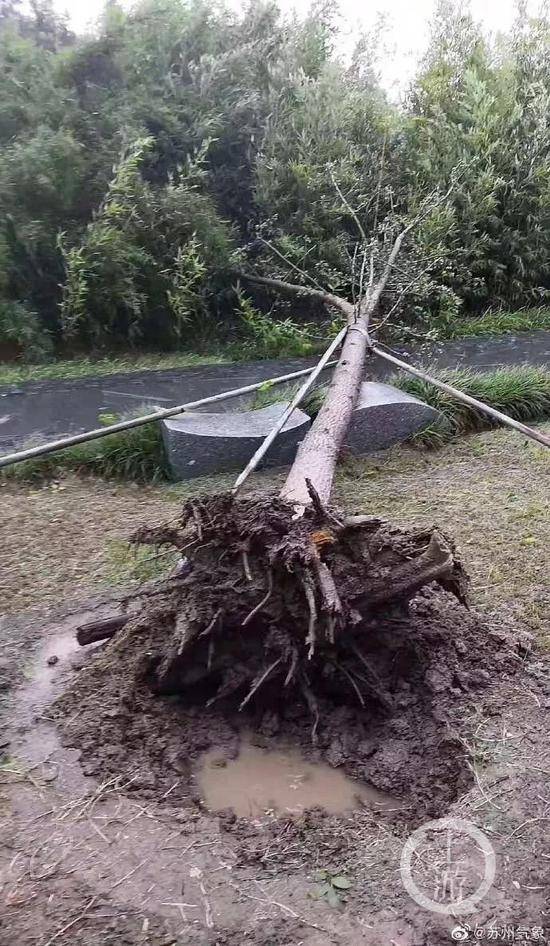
[250, 647]
[276, 604]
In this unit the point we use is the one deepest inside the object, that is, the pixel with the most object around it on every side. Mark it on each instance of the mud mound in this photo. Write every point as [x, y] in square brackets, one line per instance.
[344, 636]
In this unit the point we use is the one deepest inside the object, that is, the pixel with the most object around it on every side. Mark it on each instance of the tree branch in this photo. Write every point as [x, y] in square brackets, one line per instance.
[289, 262]
[348, 206]
[327, 297]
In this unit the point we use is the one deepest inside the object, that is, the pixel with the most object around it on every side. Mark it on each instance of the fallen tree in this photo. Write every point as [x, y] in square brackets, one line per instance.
[282, 589]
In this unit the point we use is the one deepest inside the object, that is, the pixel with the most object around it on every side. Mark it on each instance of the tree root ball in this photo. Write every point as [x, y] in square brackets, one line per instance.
[318, 628]
[277, 605]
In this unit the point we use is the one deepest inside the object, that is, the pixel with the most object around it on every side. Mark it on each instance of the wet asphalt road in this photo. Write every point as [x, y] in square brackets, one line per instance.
[43, 410]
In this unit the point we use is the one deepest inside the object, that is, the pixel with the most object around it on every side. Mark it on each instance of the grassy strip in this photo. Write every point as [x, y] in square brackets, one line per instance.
[497, 323]
[101, 367]
[492, 323]
[523, 393]
[139, 454]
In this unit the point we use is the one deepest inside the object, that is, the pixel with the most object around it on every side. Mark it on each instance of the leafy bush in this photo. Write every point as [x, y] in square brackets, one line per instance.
[146, 267]
[21, 331]
[135, 161]
[266, 337]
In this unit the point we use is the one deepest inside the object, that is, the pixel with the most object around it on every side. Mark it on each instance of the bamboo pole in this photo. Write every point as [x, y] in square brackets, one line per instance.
[296, 400]
[465, 398]
[43, 449]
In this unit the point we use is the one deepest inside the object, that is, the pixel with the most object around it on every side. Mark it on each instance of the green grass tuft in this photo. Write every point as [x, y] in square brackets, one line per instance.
[523, 393]
[137, 454]
[496, 323]
[270, 394]
[128, 563]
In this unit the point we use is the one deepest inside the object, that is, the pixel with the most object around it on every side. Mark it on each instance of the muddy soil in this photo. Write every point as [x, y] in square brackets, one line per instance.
[130, 857]
[431, 665]
[376, 655]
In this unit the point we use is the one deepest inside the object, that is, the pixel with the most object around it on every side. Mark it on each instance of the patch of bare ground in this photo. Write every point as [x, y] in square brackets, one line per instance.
[88, 861]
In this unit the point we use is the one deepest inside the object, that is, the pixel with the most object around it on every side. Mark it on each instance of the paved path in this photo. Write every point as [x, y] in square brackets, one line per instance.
[43, 410]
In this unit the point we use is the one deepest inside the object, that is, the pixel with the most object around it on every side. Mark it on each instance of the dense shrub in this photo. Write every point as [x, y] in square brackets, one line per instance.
[142, 166]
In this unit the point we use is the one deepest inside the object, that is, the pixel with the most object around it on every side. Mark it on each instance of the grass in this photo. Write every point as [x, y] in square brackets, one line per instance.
[270, 394]
[497, 323]
[100, 367]
[137, 454]
[127, 563]
[523, 393]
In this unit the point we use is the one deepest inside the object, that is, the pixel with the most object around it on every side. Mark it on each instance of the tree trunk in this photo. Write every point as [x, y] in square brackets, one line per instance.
[318, 453]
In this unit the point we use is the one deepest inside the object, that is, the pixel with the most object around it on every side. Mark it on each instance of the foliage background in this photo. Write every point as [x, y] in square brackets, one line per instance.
[142, 167]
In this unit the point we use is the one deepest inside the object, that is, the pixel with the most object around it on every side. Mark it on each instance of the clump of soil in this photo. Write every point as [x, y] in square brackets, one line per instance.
[346, 637]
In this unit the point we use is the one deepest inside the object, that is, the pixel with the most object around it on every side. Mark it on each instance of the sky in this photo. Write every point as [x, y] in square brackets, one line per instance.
[407, 25]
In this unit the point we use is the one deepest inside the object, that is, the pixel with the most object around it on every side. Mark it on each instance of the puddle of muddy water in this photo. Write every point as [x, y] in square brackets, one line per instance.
[34, 737]
[261, 780]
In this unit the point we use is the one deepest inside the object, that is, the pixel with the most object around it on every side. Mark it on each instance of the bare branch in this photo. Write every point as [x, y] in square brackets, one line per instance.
[379, 188]
[402, 293]
[327, 297]
[361, 283]
[289, 262]
[348, 206]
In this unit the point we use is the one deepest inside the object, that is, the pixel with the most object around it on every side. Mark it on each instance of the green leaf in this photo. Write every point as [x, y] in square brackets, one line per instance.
[320, 875]
[342, 883]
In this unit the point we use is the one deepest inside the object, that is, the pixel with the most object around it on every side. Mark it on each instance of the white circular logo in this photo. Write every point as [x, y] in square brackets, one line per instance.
[460, 934]
[452, 860]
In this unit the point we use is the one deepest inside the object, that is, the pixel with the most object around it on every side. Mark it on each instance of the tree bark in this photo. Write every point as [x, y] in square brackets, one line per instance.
[318, 453]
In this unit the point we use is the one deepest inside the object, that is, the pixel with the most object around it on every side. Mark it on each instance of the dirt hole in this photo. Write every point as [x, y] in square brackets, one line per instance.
[281, 781]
